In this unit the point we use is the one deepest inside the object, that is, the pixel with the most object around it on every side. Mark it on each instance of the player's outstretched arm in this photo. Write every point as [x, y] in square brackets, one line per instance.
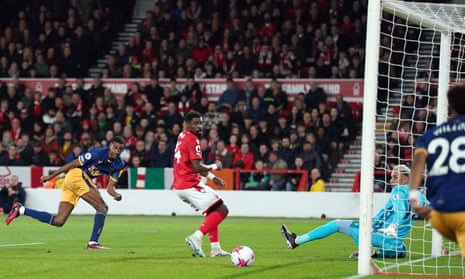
[65, 168]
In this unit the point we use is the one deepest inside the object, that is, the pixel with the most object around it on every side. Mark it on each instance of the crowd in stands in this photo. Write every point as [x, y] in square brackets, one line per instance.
[51, 39]
[182, 39]
[275, 39]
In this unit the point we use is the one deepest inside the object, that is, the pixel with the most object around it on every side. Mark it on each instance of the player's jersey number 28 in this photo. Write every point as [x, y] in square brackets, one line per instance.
[450, 156]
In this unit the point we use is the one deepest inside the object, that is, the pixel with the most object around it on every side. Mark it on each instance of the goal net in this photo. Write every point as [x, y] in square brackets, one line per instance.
[421, 51]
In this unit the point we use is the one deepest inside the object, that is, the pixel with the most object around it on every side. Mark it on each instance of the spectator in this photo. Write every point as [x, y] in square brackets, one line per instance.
[129, 139]
[142, 153]
[286, 151]
[50, 142]
[202, 106]
[54, 159]
[24, 148]
[162, 156]
[13, 158]
[332, 133]
[191, 94]
[202, 51]
[74, 154]
[277, 181]
[345, 113]
[233, 145]
[380, 175]
[257, 178]
[244, 159]
[256, 110]
[223, 155]
[231, 95]
[85, 141]
[207, 151]
[39, 156]
[263, 152]
[16, 131]
[172, 116]
[67, 145]
[224, 126]
[318, 184]
[315, 96]
[11, 193]
[294, 179]
[311, 158]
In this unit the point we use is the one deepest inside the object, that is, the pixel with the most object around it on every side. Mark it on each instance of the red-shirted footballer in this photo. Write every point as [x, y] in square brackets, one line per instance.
[189, 184]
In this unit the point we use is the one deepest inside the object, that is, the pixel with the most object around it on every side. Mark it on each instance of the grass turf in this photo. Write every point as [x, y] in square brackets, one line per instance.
[153, 247]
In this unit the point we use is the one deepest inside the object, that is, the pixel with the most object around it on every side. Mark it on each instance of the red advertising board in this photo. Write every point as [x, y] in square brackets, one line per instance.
[351, 89]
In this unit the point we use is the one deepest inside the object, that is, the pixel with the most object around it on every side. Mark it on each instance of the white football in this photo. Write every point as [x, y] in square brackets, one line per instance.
[242, 256]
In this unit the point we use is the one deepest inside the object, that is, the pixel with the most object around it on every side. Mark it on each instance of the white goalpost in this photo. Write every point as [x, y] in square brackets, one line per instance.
[414, 51]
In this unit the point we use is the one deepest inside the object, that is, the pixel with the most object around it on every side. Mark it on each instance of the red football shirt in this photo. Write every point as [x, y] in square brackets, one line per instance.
[187, 149]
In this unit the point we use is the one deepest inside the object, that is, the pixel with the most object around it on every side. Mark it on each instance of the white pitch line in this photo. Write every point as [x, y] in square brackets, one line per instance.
[21, 244]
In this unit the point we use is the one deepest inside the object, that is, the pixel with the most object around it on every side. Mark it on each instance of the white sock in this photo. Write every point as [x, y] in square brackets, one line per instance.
[198, 234]
[92, 242]
[216, 246]
[21, 210]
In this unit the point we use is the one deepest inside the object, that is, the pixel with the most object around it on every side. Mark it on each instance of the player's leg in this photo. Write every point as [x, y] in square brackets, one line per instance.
[455, 229]
[58, 220]
[214, 218]
[444, 224]
[68, 200]
[461, 237]
[94, 198]
[388, 246]
[42, 216]
[204, 199]
[194, 240]
[332, 227]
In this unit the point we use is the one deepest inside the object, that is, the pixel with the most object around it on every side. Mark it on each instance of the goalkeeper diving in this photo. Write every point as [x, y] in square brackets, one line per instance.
[390, 226]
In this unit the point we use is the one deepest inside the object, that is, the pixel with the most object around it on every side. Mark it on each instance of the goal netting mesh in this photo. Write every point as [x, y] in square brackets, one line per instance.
[407, 105]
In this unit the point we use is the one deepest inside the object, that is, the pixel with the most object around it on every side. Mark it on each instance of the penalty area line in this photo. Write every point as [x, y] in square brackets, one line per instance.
[21, 244]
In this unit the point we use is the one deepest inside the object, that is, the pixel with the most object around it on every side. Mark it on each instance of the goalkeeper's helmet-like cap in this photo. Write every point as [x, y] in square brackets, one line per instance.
[402, 169]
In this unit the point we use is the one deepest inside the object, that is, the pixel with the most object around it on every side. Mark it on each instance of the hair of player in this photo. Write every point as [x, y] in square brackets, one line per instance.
[402, 169]
[456, 98]
[118, 139]
[191, 115]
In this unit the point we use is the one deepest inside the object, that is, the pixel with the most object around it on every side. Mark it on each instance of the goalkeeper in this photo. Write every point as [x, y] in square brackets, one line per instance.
[390, 227]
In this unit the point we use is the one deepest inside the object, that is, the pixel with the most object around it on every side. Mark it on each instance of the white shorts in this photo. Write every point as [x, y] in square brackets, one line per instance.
[200, 197]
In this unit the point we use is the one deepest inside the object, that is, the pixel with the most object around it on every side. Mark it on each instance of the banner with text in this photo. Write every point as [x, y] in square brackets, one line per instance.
[351, 89]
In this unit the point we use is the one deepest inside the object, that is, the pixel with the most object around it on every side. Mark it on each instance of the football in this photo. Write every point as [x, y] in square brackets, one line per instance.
[242, 256]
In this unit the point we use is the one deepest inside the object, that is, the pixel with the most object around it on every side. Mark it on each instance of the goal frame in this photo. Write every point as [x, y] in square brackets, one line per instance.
[374, 17]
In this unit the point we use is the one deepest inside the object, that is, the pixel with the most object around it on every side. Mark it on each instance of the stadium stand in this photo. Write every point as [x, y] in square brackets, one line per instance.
[175, 40]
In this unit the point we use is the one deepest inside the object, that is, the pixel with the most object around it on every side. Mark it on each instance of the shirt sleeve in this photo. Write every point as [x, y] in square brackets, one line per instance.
[194, 151]
[86, 157]
[115, 175]
[420, 145]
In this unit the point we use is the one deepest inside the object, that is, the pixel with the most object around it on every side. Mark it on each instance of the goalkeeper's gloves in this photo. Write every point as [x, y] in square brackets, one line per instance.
[390, 230]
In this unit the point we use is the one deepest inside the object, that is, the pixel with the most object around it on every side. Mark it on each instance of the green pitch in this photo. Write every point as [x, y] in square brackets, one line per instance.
[153, 247]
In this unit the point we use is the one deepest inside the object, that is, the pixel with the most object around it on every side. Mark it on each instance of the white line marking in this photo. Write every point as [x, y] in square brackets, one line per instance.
[21, 244]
